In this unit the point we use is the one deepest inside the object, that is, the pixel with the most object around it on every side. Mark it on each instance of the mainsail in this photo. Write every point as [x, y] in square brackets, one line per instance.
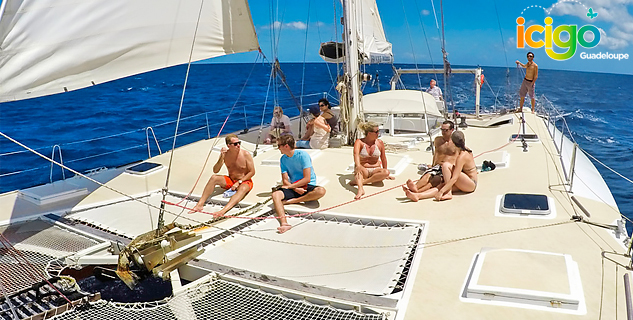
[53, 46]
[373, 46]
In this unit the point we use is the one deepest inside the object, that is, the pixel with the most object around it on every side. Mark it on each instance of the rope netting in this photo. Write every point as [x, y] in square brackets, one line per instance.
[38, 243]
[218, 299]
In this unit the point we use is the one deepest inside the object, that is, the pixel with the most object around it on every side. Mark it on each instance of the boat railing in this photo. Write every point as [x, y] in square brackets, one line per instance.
[558, 129]
[150, 129]
[22, 169]
[61, 160]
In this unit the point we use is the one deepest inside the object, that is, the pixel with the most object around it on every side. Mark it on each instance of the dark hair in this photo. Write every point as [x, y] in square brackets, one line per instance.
[450, 123]
[315, 110]
[460, 141]
[530, 53]
[286, 139]
[324, 101]
[228, 138]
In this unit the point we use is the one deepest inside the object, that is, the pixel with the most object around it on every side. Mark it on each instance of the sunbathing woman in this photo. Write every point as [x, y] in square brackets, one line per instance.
[370, 160]
[461, 177]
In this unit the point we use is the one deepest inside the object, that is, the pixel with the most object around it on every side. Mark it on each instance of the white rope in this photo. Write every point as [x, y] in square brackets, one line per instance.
[606, 166]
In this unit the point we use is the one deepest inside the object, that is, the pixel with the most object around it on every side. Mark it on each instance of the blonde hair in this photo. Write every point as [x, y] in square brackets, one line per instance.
[228, 138]
[281, 111]
[366, 127]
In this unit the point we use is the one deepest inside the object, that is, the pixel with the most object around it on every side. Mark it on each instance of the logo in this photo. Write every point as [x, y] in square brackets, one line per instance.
[561, 42]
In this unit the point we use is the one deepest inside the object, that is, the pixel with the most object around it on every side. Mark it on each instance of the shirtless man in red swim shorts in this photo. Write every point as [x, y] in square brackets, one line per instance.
[241, 169]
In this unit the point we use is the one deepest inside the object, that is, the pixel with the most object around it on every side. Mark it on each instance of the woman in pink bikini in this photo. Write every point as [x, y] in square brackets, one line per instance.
[370, 161]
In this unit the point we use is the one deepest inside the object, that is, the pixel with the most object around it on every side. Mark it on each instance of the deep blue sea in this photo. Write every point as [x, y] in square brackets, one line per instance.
[105, 125]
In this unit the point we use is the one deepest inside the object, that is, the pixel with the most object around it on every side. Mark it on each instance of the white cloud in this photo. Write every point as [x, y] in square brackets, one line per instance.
[614, 12]
[425, 12]
[296, 25]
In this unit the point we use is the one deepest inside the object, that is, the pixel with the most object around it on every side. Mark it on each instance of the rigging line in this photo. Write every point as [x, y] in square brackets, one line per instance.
[606, 166]
[561, 178]
[425, 37]
[216, 140]
[501, 33]
[182, 100]
[79, 174]
[435, 15]
[415, 61]
[303, 71]
[4, 294]
[11, 247]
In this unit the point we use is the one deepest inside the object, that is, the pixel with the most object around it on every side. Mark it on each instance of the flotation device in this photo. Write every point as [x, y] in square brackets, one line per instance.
[481, 82]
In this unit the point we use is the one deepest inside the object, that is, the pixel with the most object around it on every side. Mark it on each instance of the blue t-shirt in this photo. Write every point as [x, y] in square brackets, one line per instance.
[294, 166]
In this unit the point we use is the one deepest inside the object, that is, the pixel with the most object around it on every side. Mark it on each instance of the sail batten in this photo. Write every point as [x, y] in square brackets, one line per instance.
[61, 45]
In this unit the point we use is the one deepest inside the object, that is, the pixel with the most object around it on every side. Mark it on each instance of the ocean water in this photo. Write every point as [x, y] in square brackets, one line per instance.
[105, 125]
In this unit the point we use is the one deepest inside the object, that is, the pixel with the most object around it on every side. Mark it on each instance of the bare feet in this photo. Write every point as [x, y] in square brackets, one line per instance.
[391, 178]
[410, 194]
[283, 228]
[360, 193]
[197, 208]
[411, 185]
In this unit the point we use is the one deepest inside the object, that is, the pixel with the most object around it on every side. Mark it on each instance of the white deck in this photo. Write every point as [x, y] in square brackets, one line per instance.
[457, 230]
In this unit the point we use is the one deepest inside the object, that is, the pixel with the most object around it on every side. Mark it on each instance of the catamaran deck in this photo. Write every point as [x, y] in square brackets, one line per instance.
[547, 267]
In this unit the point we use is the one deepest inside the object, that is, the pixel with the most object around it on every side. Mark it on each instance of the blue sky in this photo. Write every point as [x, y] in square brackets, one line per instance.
[476, 31]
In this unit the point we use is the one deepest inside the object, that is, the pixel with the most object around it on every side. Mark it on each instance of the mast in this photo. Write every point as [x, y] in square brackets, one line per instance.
[351, 77]
[447, 67]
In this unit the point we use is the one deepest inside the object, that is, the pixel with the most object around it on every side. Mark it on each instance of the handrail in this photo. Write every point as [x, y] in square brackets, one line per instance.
[61, 160]
[199, 122]
[149, 151]
[553, 116]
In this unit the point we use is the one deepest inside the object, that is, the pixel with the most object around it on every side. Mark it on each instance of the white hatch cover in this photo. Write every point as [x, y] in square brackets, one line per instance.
[529, 279]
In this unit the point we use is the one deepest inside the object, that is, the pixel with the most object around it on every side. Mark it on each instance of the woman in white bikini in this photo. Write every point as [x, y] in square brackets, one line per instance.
[370, 161]
[460, 177]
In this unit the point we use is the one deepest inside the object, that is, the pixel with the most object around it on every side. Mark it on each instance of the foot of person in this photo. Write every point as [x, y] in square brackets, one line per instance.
[217, 214]
[391, 178]
[411, 185]
[283, 228]
[447, 196]
[197, 208]
[409, 194]
[360, 193]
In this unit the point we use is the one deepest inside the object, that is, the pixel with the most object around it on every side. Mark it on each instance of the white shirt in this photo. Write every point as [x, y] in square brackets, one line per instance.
[282, 123]
[436, 92]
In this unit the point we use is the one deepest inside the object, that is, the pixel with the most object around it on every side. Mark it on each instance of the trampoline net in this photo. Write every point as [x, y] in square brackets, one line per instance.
[218, 299]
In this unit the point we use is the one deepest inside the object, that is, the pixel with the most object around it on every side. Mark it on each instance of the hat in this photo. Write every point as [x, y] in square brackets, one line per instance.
[315, 110]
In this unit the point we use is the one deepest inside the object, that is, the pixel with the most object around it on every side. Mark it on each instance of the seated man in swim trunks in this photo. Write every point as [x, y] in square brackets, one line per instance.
[298, 180]
[459, 177]
[241, 169]
[445, 151]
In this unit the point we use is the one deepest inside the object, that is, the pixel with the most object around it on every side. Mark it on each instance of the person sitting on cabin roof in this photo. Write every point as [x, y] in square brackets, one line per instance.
[329, 116]
[435, 91]
[241, 168]
[298, 180]
[459, 177]
[317, 136]
[445, 151]
[279, 125]
[370, 160]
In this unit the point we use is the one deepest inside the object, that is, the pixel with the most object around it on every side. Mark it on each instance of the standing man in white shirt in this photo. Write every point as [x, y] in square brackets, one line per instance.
[435, 91]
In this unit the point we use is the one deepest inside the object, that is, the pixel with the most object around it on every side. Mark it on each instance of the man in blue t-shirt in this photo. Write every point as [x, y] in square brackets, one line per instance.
[298, 180]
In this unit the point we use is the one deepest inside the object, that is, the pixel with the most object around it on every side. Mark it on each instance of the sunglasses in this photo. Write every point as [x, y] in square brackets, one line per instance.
[236, 143]
[321, 105]
[444, 130]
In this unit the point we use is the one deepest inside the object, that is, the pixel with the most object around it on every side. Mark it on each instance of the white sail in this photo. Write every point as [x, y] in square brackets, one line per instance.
[372, 43]
[53, 46]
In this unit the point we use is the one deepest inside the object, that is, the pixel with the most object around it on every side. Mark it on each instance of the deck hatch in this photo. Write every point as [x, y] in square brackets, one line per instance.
[529, 137]
[527, 279]
[519, 203]
[144, 168]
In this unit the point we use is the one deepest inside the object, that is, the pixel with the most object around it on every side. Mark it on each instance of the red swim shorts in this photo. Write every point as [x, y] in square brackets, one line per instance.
[229, 183]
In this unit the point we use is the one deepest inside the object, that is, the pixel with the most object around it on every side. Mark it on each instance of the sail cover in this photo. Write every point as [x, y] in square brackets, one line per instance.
[373, 45]
[53, 46]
